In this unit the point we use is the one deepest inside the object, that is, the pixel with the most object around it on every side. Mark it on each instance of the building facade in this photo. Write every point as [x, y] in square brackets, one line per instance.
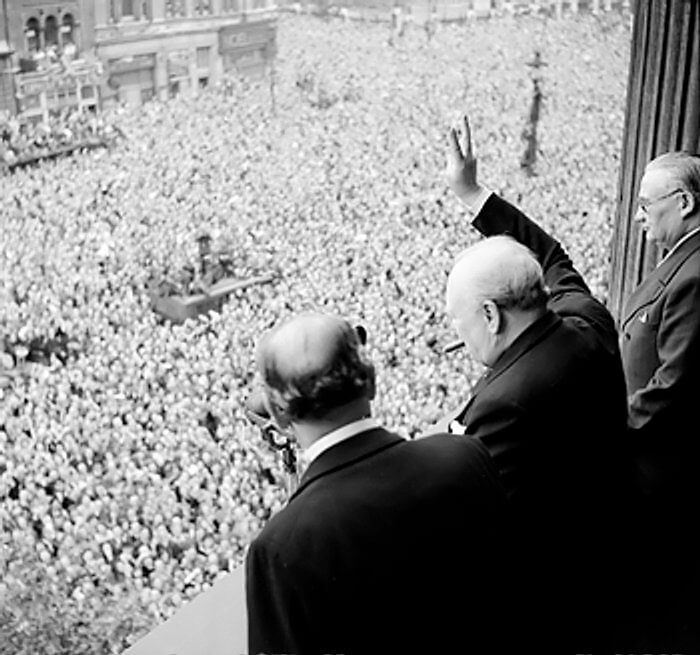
[43, 69]
[81, 54]
[7, 92]
[159, 48]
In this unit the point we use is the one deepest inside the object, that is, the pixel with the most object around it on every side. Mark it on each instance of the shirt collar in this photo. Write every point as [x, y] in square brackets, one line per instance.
[677, 245]
[335, 437]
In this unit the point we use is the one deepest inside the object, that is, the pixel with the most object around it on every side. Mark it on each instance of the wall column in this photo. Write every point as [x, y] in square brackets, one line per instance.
[160, 76]
[663, 114]
[158, 10]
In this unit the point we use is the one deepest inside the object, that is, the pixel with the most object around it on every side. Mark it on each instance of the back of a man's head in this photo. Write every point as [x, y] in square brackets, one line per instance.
[498, 269]
[313, 364]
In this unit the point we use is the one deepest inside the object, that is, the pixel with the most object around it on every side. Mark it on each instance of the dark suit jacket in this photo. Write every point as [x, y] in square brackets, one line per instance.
[387, 546]
[555, 401]
[661, 353]
[552, 413]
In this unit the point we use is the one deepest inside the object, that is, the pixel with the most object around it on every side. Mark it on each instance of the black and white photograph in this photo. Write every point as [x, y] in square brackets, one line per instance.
[349, 327]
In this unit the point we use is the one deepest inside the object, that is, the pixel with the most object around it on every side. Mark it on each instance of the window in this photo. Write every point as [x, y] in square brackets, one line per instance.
[203, 57]
[67, 26]
[202, 7]
[31, 102]
[67, 98]
[230, 6]
[174, 8]
[123, 9]
[50, 32]
[31, 34]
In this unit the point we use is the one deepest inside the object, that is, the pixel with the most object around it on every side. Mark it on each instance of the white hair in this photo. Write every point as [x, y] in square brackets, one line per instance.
[502, 270]
[682, 167]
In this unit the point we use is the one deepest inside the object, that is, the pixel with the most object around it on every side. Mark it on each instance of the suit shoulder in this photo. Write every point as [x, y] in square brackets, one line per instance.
[690, 266]
[585, 313]
[296, 523]
[457, 451]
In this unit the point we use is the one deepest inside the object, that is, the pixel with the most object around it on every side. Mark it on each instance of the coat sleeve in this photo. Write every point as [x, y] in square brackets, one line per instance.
[569, 293]
[678, 349]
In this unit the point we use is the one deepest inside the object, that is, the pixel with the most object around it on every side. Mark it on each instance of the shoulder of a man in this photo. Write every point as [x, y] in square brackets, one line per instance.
[285, 541]
[277, 531]
[453, 452]
[686, 264]
[584, 312]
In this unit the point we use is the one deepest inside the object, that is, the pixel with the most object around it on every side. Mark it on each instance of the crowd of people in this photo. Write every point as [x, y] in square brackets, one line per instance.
[23, 142]
[129, 463]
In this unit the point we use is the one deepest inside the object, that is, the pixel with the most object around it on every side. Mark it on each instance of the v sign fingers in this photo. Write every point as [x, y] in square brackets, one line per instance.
[456, 148]
[461, 164]
[467, 140]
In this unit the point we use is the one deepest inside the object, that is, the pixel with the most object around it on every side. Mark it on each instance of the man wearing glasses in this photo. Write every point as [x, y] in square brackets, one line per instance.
[660, 344]
[661, 322]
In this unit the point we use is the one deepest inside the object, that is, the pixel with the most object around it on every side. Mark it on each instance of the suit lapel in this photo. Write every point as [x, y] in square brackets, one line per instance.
[346, 453]
[645, 294]
[652, 286]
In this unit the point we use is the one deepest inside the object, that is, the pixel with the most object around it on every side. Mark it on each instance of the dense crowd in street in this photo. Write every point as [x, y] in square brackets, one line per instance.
[128, 462]
[23, 142]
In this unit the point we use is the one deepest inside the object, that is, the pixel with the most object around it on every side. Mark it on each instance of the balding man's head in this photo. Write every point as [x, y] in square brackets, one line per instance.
[682, 170]
[313, 364]
[669, 198]
[500, 269]
[490, 281]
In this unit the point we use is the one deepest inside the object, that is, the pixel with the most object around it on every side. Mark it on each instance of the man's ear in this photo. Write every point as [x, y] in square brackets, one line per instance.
[493, 316]
[276, 409]
[688, 204]
[361, 334]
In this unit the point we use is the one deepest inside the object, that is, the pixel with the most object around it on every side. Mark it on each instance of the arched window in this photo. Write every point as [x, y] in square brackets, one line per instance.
[174, 8]
[50, 31]
[68, 24]
[31, 33]
[202, 7]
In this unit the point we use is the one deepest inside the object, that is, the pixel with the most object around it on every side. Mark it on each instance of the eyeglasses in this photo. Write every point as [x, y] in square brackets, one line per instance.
[645, 204]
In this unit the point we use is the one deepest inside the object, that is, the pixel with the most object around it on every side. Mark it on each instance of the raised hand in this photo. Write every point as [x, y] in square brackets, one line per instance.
[461, 163]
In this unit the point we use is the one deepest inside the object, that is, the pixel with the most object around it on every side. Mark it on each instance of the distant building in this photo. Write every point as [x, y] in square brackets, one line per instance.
[82, 54]
[7, 89]
[427, 12]
[158, 48]
[42, 64]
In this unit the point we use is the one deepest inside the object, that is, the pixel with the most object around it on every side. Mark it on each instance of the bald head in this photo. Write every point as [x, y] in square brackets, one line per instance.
[494, 291]
[500, 269]
[682, 170]
[313, 364]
